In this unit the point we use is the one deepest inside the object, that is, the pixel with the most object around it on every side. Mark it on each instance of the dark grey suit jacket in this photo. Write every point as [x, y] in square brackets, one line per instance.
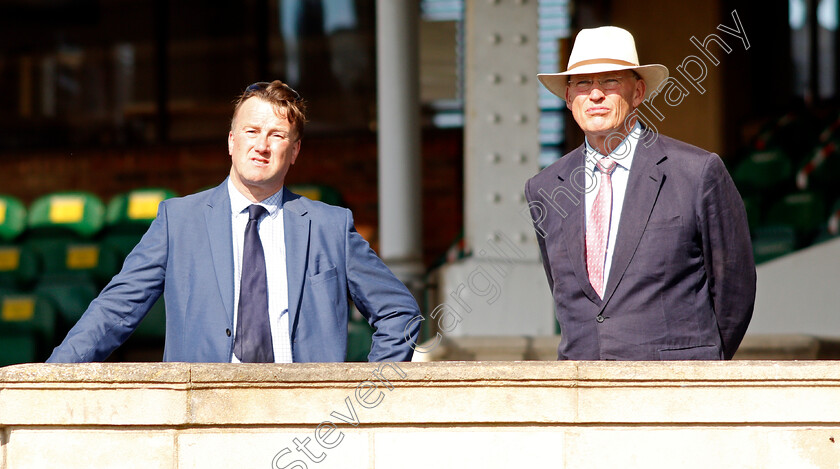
[682, 281]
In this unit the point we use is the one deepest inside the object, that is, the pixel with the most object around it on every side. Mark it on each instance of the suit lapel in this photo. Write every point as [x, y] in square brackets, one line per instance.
[573, 230]
[296, 224]
[645, 181]
[217, 217]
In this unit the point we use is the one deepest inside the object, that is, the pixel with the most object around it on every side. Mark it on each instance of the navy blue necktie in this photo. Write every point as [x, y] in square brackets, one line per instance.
[253, 331]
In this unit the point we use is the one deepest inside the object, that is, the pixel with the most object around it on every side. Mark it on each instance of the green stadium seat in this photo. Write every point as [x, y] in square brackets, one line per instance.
[74, 265]
[770, 242]
[12, 218]
[80, 214]
[129, 215]
[18, 264]
[323, 193]
[763, 170]
[19, 268]
[359, 336]
[27, 328]
[752, 204]
[69, 296]
[803, 211]
[62, 230]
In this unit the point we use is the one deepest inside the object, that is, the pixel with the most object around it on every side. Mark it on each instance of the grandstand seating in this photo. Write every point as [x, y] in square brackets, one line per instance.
[56, 256]
[802, 211]
[61, 230]
[18, 264]
[129, 215]
[763, 171]
[27, 326]
[787, 179]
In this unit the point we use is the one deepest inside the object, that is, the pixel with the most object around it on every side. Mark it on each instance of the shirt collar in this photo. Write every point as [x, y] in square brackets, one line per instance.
[238, 202]
[626, 150]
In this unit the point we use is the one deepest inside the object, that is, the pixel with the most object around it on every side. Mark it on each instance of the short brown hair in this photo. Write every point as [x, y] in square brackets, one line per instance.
[286, 101]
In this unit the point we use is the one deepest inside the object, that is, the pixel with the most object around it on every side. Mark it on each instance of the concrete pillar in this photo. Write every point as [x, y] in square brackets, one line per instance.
[501, 289]
[398, 92]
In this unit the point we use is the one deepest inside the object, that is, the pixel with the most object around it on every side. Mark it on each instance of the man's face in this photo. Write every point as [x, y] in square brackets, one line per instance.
[262, 146]
[601, 102]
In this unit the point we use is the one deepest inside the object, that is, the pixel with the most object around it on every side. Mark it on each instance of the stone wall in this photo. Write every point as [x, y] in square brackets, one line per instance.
[748, 414]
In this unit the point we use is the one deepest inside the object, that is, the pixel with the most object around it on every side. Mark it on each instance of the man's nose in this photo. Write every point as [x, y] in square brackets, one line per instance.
[596, 93]
[261, 143]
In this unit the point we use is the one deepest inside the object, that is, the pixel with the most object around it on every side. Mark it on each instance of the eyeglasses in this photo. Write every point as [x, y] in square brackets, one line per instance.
[262, 85]
[606, 83]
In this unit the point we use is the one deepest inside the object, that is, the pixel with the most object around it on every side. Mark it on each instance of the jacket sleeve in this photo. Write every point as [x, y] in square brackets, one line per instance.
[384, 301]
[111, 318]
[727, 254]
[537, 219]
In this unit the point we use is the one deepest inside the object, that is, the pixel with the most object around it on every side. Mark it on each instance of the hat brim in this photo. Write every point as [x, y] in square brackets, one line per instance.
[653, 75]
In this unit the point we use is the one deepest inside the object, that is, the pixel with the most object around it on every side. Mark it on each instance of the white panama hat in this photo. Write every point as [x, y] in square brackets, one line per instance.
[604, 49]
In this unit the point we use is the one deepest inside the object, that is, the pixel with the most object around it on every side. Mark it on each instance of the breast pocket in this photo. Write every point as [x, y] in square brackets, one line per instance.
[322, 298]
[664, 224]
[323, 276]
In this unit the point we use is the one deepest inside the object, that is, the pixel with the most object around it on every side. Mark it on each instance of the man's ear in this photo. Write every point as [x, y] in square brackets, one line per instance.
[639, 94]
[296, 151]
[230, 143]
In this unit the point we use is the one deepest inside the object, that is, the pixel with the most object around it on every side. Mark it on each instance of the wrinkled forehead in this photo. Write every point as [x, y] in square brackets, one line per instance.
[281, 110]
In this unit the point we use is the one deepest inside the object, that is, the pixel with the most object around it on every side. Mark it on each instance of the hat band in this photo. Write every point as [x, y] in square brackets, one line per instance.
[602, 61]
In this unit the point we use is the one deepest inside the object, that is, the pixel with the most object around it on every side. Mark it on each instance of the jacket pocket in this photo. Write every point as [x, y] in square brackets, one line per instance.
[673, 222]
[323, 276]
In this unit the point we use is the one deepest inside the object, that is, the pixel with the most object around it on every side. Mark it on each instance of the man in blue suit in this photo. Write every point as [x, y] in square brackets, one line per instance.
[271, 286]
[644, 238]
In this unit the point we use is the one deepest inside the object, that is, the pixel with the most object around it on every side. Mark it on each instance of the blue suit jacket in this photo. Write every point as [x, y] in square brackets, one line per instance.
[187, 255]
[682, 281]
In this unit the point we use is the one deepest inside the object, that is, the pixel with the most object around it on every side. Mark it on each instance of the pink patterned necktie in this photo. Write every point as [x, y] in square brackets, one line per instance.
[598, 227]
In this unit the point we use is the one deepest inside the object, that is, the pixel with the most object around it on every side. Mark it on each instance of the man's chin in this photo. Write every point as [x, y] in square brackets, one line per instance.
[600, 129]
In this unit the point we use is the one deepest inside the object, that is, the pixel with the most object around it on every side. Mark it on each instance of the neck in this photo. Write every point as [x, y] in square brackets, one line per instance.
[254, 193]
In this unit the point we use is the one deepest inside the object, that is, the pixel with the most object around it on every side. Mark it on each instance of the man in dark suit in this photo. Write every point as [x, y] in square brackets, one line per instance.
[644, 238]
[250, 271]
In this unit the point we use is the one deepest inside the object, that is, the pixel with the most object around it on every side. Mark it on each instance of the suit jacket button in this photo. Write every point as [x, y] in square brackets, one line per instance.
[227, 331]
[600, 319]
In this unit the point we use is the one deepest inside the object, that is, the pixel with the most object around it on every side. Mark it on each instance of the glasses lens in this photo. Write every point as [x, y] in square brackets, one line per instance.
[582, 85]
[608, 83]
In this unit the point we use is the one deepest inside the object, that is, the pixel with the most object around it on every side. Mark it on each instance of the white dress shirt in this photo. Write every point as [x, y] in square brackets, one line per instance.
[274, 247]
[623, 156]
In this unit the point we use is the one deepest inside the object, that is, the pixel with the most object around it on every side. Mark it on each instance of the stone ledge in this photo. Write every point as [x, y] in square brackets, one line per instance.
[193, 375]
[462, 414]
[433, 393]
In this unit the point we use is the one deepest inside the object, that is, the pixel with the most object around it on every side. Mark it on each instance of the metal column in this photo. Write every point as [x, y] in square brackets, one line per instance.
[398, 96]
